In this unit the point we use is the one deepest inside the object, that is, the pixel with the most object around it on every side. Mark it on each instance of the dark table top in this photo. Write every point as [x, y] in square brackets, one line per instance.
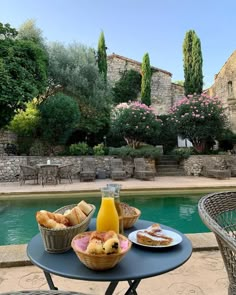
[140, 262]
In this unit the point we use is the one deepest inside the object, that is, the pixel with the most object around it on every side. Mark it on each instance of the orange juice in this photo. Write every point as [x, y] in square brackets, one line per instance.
[107, 218]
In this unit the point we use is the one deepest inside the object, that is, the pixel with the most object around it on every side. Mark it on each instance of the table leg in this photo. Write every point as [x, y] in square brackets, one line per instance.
[111, 288]
[49, 281]
[132, 287]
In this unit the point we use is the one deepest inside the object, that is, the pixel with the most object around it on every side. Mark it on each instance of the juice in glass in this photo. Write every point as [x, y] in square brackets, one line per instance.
[116, 189]
[107, 218]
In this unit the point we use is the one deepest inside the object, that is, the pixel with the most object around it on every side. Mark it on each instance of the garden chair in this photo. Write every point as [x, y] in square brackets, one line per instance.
[28, 173]
[65, 172]
[117, 169]
[88, 170]
[217, 169]
[142, 170]
[218, 212]
[49, 174]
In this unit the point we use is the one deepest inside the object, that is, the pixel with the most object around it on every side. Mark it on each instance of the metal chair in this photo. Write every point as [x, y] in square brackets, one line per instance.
[218, 212]
[28, 173]
[143, 170]
[88, 170]
[117, 169]
[65, 172]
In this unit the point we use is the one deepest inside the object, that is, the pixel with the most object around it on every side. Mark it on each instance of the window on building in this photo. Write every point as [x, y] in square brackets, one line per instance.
[230, 88]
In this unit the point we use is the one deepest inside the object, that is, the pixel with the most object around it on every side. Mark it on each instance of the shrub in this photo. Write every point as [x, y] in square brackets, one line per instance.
[98, 150]
[79, 149]
[182, 153]
[128, 152]
[199, 118]
[136, 122]
[59, 117]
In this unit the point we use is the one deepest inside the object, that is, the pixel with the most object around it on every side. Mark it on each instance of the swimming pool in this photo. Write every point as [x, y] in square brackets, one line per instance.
[18, 224]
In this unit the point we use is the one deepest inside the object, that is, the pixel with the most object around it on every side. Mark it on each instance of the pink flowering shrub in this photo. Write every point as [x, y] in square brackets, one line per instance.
[199, 118]
[136, 122]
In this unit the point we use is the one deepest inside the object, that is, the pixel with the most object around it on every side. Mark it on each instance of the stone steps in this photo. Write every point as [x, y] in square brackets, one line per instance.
[168, 166]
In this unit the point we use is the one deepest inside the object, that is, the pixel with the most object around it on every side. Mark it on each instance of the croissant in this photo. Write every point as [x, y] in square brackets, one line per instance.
[51, 220]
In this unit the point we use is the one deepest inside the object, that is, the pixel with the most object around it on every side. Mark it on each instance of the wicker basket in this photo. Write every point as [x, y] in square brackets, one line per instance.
[59, 240]
[129, 221]
[99, 261]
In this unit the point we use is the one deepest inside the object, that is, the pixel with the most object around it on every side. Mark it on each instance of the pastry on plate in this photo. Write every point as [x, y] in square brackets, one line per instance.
[153, 236]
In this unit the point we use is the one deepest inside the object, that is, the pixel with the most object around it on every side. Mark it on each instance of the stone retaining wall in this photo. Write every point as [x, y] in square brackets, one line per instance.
[193, 165]
[10, 165]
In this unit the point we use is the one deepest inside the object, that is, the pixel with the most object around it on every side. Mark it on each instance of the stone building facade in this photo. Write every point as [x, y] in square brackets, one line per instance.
[225, 88]
[163, 92]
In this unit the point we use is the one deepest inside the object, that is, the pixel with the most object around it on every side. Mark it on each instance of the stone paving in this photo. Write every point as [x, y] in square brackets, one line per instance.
[202, 274]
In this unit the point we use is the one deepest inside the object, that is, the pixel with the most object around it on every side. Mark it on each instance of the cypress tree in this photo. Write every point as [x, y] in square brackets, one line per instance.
[192, 63]
[102, 56]
[146, 80]
[197, 65]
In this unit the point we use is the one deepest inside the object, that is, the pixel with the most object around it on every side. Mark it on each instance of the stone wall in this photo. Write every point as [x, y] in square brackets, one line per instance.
[163, 92]
[10, 165]
[6, 137]
[225, 88]
[193, 165]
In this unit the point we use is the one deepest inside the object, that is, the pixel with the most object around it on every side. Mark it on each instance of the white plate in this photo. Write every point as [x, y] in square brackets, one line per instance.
[176, 238]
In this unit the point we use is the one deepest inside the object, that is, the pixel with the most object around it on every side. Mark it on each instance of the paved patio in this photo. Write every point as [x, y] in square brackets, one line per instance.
[203, 274]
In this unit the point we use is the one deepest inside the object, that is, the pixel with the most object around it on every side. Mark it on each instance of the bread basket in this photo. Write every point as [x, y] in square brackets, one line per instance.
[99, 261]
[129, 221]
[59, 240]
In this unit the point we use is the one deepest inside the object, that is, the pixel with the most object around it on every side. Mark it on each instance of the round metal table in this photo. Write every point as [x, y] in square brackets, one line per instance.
[140, 262]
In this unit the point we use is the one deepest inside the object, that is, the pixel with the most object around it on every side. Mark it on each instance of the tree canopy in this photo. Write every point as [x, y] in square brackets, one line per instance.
[59, 116]
[128, 87]
[102, 56]
[199, 118]
[23, 73]
[136, 122]
[146, 80]
[74, 69]
[192, 63]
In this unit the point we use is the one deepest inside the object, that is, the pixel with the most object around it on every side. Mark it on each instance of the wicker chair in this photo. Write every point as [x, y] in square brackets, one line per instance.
[218, 212]
[65, 172]
[117, 169]
[142, 170]
[28, 173]
[41, 292]
[88, 170]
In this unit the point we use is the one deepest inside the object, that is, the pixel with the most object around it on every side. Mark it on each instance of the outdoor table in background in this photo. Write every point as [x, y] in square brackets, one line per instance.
[140, 262]
[48, 173]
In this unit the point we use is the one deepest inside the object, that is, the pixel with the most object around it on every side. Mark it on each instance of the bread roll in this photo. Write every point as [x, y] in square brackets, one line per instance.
[86, 208]
[71, 216]
[75, 215]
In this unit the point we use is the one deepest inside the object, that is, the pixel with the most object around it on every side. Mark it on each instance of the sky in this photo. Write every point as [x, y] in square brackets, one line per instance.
[135, 27]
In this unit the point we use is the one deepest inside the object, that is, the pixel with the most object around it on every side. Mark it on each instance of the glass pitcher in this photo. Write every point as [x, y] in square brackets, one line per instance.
[107, 218]
[116, 189]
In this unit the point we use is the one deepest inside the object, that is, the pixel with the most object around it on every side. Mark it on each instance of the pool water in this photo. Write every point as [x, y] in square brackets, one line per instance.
[18, 224]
